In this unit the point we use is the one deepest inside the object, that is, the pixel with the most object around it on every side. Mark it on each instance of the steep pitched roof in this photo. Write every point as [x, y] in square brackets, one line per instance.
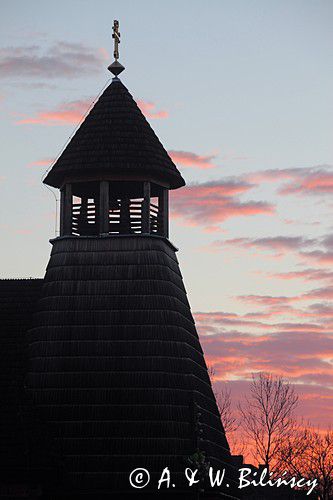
[115, 139]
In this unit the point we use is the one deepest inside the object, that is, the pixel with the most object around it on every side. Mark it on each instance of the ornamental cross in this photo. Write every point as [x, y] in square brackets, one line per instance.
[116, 37]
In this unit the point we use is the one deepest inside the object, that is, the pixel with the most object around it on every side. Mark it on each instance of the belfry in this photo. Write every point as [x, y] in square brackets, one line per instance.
[115, 370]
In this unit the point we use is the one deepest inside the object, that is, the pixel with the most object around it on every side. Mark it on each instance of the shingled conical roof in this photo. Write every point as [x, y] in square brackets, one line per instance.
[114, 140]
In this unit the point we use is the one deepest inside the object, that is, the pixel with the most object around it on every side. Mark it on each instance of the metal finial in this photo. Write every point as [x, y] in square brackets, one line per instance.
[116, 38]
[116, 68]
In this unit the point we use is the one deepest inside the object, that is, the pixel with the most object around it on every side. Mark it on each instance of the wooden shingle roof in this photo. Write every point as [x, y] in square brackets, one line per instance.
[117, 369]
[115, 139]
[25, 451]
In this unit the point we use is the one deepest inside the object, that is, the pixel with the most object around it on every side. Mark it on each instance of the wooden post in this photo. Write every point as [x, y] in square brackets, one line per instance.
[163, 209]
[145, 216]
[125, 216]
[67, 210]
[104, 207]
[62, 211]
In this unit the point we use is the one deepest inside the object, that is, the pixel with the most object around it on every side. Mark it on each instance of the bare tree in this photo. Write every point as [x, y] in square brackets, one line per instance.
[309, 453]
[230, 420]
[268, 416]
[224, 405]
[211, 372]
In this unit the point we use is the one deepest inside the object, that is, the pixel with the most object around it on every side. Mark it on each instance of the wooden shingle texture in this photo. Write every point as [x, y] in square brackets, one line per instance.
[26, 456]
[114, 139]
[117, 367]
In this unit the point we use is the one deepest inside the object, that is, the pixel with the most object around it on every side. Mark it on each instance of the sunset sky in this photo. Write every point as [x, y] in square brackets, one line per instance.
[240, 94]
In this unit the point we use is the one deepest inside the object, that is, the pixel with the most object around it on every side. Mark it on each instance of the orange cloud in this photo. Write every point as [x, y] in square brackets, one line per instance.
[43, 162]
[188, 159]
[238, 345]
[148, 109]
[70, 113]
[299, 354]
[319, 413]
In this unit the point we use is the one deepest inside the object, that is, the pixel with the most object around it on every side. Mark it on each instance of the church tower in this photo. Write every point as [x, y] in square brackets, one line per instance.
[116, 367]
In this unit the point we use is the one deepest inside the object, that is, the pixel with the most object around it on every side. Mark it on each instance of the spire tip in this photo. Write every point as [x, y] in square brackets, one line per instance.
[116, 68]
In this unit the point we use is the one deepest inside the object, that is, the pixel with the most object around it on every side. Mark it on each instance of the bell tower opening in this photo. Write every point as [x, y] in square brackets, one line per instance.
[121, 207]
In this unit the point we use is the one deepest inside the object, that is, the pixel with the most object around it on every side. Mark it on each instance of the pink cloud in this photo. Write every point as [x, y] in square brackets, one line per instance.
[279, 244]
[282, 353]
[213, 202]
[324, 293]
[327, 241]
[43, 162]
[189, 159]
[282, 245]
[251, 324]
[305, 274]
[297, 351]
[63, 59]
[148, 109]
[318, 256]
[302, 181]
[321, 310]
[318, 182]
[266, 300]
[70, 113]
[272, 175]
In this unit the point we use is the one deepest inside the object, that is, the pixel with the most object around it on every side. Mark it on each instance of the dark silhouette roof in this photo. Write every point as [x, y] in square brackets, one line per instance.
[116, 365]
[25, 451]
[115, 139]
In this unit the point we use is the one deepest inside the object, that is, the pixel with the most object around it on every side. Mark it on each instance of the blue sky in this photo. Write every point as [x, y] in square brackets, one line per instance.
[246, 87]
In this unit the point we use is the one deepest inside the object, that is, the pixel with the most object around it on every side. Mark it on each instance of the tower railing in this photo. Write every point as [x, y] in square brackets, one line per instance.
[125, 217]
